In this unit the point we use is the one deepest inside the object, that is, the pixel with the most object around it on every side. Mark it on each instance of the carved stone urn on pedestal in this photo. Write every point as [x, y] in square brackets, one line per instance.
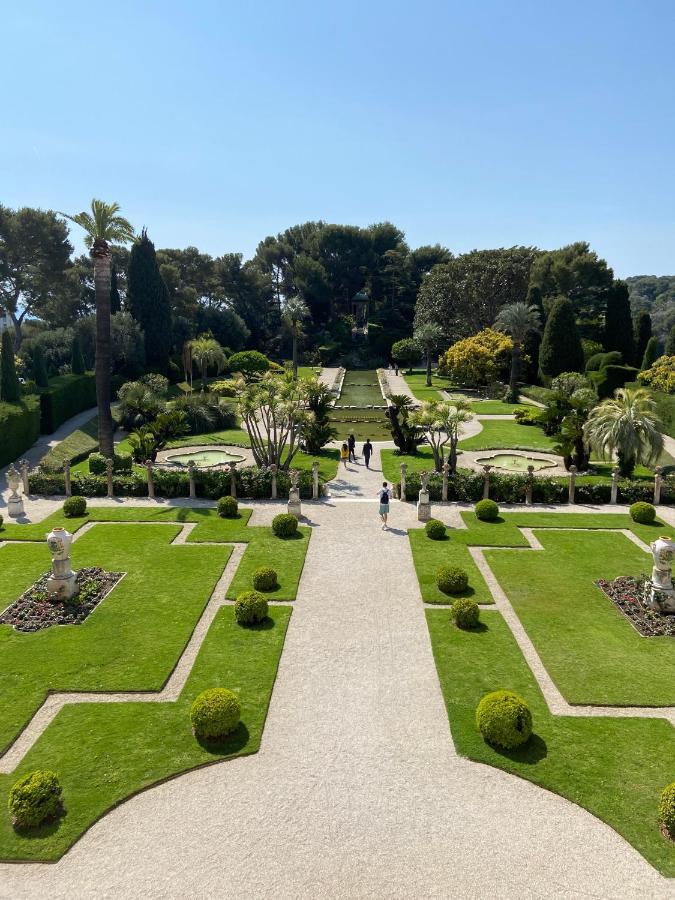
[62, 581]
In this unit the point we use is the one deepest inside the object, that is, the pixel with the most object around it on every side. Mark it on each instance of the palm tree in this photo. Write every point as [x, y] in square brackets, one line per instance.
[441, 423]
[295, 310]
[520, 321]
[104, 228]
[627, 425]
[430, 338]
[206, 351]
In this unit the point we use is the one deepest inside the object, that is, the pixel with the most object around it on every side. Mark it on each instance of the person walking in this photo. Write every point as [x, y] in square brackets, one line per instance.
[351, 443]
[367, 452]
[384, 493]
[396, 369]
[344, 454]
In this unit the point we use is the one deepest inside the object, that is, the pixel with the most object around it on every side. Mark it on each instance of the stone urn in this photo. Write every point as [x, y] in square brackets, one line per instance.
[661, 594]
[15, 502]
[62, 583]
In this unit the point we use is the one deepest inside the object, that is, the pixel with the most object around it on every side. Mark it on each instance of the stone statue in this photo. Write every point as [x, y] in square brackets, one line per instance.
[62, 581]
[14, 503]
[424, 481]
[662, 594]
[295, 475]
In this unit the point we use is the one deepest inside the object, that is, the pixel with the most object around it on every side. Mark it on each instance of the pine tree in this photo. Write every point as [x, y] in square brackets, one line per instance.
[148, 302]
[651, 353]
[77, 359]
[618, 322]
[670, 342]
[115, 301]
[643, 331]
[560, 349]
[10, 389]
[40, 368]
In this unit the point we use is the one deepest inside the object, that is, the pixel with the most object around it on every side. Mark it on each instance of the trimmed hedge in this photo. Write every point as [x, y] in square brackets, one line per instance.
[486, 510]
[19, 427]
[643, 513]
[667, 809]
[504, 719]
[435, 529]
[228, 508]
[265, 579]
[452, 580]
[35, 799]
[74, 507]
[214, 714]
[285, 525]
[465, 613]
[250, 608]
[122, 462]
[609, 378]
[66, 396]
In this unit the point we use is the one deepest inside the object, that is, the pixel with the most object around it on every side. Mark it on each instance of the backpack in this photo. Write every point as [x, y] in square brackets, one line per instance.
[384, 496]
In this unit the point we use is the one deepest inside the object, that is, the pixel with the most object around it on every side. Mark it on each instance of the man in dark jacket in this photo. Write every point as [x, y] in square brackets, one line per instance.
[367, 452]
[351, 443]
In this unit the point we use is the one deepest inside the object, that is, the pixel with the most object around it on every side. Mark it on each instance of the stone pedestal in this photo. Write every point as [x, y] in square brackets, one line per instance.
[14, 503]
[15, 507]
[62, 581]
[294, 505]
[660, 593]
[423, 507]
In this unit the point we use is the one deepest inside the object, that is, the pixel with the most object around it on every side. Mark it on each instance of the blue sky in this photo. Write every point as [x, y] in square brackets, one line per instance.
[474, 124]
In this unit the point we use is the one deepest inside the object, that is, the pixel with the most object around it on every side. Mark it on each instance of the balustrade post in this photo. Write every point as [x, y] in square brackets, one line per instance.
[486, 482]
[151, 479]
[404, 469]
[529, 485]
[191, 475]
[615, 485]
[315, 480]
[233, 480]
[658, 480]
[273, 470]
[444, 489]
[572, 485]
[109, 476]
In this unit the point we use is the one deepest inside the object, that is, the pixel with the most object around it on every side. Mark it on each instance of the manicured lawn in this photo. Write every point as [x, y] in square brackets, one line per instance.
[237, 437]
[504, 434]
[422, 461]
[416, 381]
[613, 767]
[429, 556]
[328, 458]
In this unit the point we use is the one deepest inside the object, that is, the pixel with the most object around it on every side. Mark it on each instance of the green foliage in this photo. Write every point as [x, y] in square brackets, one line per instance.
[285, 525]
[451, 580]
[148, 302]
[504, 719]
[139, 404]
[618, 321]
[265, 579]
[10, 390]
[228, 508]
[643, 332]
[223, 388]
[609, 378]
[205, 412]
[77, 366]
[651, 354]
[601, 360]
[477, 360]
[214, 714]
[19, 428]
[660, 376]
[591, 348]
[249, 363]
[122, 462]
[568, 382]
[643, 513]
[251, 607]
[486, 510]
[560, 349]
[39, 367]
[465, 613]
[66, 396]
[317, 430]
[35, 799]
[74, 507]
[670, 342]
[435, 529]
[406, 352]
[667, 809]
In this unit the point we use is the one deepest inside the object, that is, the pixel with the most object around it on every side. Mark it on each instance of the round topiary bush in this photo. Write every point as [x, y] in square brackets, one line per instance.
[667, 809]
[214, 714]
[284, 525]
[643, 513]
[250, 607]
[74, 507]
[435, 529]
[465, 612]
[486, 510]
[451, 579]
[265, 579]
[35, 799]
[228, 508]
[504, 719]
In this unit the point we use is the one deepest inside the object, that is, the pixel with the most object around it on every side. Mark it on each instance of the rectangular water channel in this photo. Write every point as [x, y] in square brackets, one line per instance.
[360, 389]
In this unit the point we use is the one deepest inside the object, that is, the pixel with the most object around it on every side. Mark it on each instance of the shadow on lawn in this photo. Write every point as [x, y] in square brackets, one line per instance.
[530, 753]
[231, 743]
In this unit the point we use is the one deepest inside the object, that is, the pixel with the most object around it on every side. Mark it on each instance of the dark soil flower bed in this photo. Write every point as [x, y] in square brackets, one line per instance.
[626, 594]
[34, 610]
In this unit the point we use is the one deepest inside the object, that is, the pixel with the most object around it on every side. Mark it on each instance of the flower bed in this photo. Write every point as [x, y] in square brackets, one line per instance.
[626, 594]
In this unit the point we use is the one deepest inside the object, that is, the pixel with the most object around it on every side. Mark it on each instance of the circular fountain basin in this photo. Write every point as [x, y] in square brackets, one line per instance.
[515, 462]
[204, 459]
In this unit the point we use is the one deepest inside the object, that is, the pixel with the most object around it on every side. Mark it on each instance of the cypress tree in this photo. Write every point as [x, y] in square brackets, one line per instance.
[40, 368]
[651, 353]
[77, 359]
[561, 349]
[533, 342]
[643, 331]
[618, 322]
[670, 342]
[10, 390]
[115, 300]
[148, 302]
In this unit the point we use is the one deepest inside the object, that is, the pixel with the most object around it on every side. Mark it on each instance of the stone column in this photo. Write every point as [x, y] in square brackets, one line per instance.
[315, 480]
[572, 485]
[151, 480]
[444, 490]
[404, 469]
[273, 470]
[294, 505]
[615, 485]
[657, 484]
[191, 475]
[233, 480]
[423, 503]
[66, 478]
[24, 476]
[486, 482]
[529, 485]
[109, 476]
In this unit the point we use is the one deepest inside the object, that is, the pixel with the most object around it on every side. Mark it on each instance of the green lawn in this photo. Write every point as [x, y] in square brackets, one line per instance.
[416, 381]
[504, 434]
[613, 767]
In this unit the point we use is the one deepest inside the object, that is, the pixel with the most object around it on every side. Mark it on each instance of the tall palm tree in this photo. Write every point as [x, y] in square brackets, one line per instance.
[104, 228]
[627, 425]
[519, 321]
[206, 351]
[441, 423]
[295, 310]
[430, 339]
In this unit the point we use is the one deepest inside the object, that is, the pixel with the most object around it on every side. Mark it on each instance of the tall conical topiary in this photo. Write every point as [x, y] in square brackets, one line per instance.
[618, 322]
[643, 331]
[651, 353]
[77, 359]
[561, 349]
[10, 390]
[670, 342]
[148, 302]
[40, 368]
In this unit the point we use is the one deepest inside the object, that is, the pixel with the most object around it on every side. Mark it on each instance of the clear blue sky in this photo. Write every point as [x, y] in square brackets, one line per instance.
[474, 124]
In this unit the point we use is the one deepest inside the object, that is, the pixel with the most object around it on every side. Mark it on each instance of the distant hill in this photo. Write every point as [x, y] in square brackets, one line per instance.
[656, 294]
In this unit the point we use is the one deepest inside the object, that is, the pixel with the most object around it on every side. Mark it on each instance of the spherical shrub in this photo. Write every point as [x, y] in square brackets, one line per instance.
[265, 579]
[504, 719]
[451, 579]
[643, 513]
[284, 525]
[74, 507]
[228, 508]
[435, 529]
[250, 607]
[465, 612]
[35, 799]
[667, 809]
[215, 713]
[486, 510]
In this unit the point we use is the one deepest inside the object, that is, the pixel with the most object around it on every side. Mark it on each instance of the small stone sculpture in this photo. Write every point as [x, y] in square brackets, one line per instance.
[660, 592]
[62, 581]
[15, 503]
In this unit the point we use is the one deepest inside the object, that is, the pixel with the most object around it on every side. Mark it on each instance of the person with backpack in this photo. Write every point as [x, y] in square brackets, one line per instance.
[351, 443]
[367, 452]
[344, 454]
[384, 493]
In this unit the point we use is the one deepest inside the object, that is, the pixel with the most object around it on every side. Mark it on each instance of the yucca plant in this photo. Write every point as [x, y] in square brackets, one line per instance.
[626, 425]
